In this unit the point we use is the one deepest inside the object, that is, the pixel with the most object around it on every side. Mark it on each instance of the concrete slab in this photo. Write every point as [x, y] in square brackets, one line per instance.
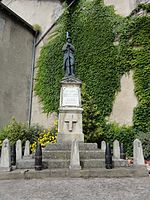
[76, 189]
[60, 173]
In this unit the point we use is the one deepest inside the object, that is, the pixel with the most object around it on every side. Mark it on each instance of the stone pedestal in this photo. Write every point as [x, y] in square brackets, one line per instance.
[138, 157]
[70, 111]
[5, 164]
[75, 156]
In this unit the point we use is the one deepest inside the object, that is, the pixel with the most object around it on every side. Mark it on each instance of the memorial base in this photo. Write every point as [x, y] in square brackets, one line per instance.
[67, 138]
[70, 112]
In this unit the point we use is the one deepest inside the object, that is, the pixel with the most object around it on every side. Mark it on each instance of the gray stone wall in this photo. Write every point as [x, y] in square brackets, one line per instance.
[43, 13]
[16, 44]
[122, 7]
[125, 102]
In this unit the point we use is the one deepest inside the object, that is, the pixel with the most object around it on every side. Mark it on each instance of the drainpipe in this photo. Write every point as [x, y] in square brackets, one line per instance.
[32, 79]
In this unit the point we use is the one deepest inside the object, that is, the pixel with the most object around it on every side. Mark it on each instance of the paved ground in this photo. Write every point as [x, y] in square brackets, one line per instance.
[76, 189]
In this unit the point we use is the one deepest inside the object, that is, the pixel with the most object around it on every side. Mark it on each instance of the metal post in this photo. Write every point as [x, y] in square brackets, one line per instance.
[108, 157]
[13, 154]
[122, 151]
[38, 157]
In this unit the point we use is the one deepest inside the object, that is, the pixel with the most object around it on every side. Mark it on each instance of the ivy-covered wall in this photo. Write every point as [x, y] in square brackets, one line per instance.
[92, 27]
[99, 64]
[136, 44]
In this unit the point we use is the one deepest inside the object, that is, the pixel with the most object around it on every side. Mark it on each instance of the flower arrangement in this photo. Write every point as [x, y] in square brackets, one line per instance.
[46, 136]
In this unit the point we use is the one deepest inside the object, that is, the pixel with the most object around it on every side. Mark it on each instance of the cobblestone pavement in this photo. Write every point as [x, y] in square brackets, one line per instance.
[76, 189]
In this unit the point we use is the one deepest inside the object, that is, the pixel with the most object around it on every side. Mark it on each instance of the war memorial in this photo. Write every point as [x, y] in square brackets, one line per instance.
[70, 156]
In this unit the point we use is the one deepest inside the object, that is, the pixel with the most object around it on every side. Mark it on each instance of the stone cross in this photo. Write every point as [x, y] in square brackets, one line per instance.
[70, 119]
[75, 157]
[103, 146]
[116, 149]
[27, 148]
[5, 156]
[138, 158]
[18, 150]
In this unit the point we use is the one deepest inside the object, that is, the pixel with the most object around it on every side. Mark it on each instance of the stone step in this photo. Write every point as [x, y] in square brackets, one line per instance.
[120, 163]
[100, 163]
[29, 164]
[92, 163]
[55, 164]
[67, 146]
[59, 163]
[90, 154]
[89, 163]
[50, 164]
[25, 164]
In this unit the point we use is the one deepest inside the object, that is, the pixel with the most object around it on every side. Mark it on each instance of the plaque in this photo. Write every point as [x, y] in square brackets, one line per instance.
[70, 96]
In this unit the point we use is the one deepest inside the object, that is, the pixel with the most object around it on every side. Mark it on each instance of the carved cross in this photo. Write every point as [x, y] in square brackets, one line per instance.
[70, 119]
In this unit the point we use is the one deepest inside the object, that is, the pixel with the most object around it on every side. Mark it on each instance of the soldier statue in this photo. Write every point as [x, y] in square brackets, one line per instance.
[69, 60]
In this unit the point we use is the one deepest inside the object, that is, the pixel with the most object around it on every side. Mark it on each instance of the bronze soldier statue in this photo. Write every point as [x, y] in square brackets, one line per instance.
[69, 60]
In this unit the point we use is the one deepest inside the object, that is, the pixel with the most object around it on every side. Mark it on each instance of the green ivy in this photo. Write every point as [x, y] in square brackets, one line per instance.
[144, 7]
[99, 63]
[92, 126]
[145, 139]
[92, 26]
[123, 134]
[16, 130]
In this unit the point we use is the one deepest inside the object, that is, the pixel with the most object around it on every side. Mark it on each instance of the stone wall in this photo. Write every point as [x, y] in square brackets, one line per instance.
[16, 45]
[125, 102]
[122, 7]
[43, 13]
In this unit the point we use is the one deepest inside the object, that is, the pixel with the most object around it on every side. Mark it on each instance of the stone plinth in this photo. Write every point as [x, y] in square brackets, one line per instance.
[18, 150]
[116, 149]
[138, 157]
[75, 157]
[5, 164]
[70, 111]
[27, 148]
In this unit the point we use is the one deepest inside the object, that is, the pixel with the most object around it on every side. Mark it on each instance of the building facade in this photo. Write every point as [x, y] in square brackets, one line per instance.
[16, 65]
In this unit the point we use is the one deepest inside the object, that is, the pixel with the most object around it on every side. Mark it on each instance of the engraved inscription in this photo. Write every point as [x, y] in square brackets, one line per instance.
[70, 97]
